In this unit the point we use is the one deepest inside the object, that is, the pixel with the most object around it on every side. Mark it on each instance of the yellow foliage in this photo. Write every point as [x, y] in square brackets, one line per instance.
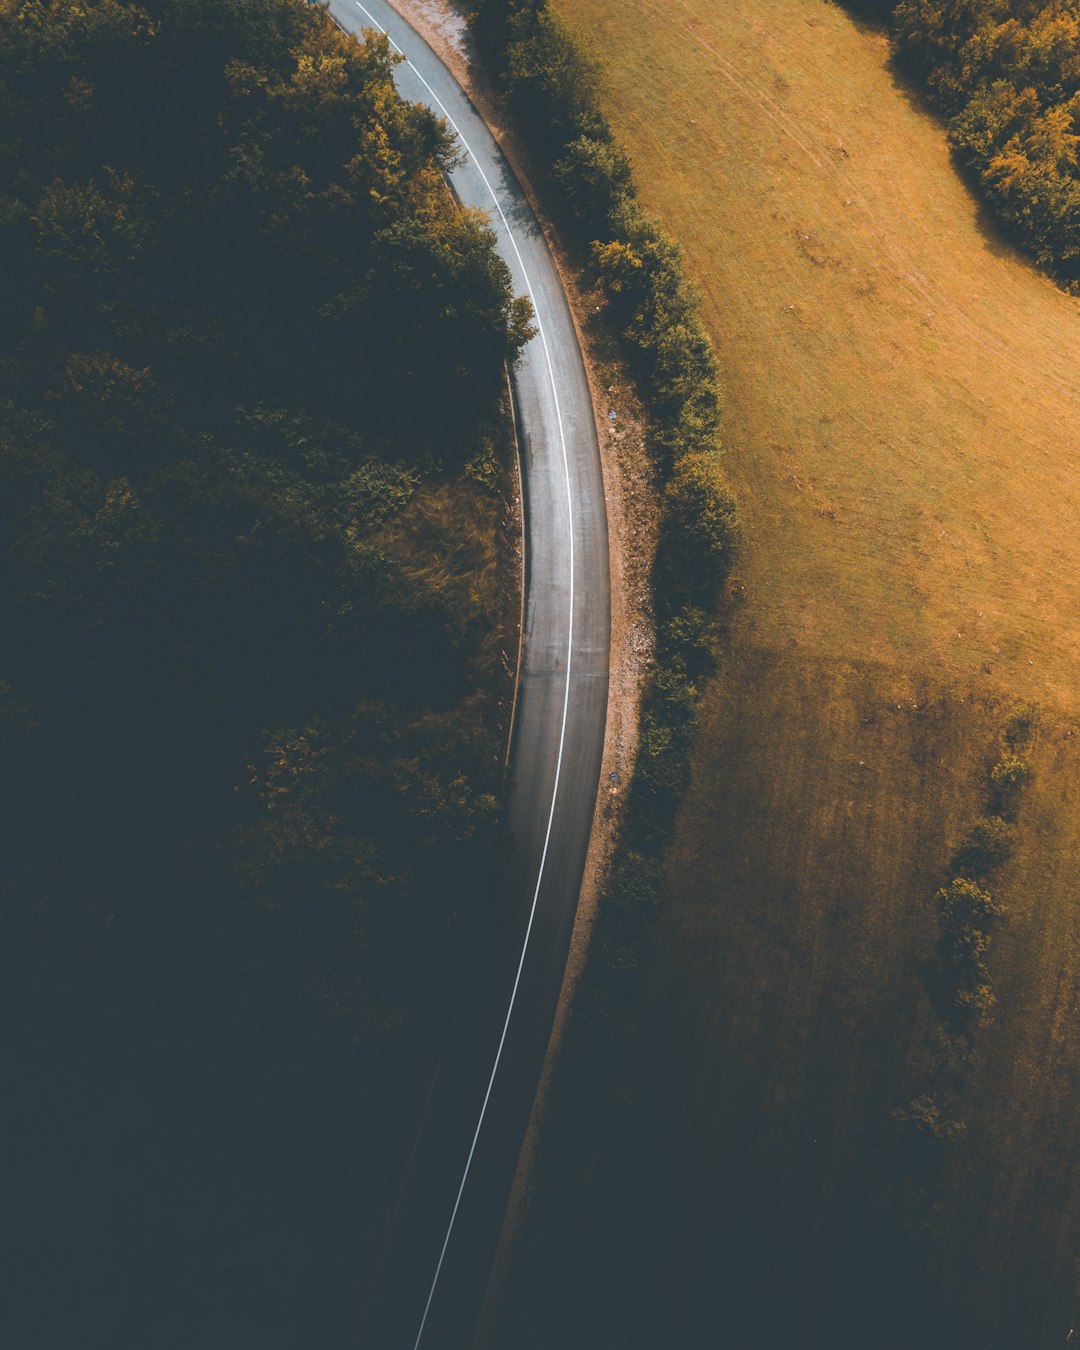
[617, 264]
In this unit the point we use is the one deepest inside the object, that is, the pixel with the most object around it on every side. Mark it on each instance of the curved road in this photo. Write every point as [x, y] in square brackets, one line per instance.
[431, 1285]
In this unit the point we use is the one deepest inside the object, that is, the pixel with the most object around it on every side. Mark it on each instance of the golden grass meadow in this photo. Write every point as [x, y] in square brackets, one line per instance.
[902, 423]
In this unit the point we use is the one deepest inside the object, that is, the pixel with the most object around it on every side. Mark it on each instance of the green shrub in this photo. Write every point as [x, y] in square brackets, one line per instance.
[1006, 74]
[550, 83]
[949, 1058]
[976, 1000]
[967, 945]
[986, 845]
[680, 375]
[550, 87]
[967, 915]
[687, 640]
[662, 773]
[925, 1117]
[619, 269]
[593, 180]
[1022, 724]
[1010, 772]
[675, 698]
[700, 519]
[634, 883]
[964, 905]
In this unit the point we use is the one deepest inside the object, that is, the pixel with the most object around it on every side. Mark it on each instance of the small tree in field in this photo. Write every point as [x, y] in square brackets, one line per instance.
[986, 845]
[1010, 772]
[1007, 778]
[963, 905]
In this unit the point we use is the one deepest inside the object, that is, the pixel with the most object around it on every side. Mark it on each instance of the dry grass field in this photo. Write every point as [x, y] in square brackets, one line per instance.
[903, 392]
[903, 427]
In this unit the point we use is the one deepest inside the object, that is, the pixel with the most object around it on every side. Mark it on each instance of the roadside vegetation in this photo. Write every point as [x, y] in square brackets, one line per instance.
[826, 1098]
[252, 695]
[549, 83]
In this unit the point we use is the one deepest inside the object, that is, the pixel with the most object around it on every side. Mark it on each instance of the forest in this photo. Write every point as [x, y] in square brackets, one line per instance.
[252, 698]
[1006, 73]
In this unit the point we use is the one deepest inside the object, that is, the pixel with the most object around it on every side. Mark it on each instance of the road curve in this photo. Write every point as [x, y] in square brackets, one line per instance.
[431, 1283]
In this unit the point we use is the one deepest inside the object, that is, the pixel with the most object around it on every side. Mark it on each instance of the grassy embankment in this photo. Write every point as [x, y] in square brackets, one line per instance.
[901, 421]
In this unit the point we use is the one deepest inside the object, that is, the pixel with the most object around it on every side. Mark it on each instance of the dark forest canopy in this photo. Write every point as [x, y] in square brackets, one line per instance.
[1007, 74]
[251, 363]
[242, 325]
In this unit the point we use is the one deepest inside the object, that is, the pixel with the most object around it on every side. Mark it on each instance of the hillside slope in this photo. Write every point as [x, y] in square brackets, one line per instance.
[903, 415]
[903, 386]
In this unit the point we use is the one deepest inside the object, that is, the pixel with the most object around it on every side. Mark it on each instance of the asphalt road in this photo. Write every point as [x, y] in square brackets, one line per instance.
[431, 1285]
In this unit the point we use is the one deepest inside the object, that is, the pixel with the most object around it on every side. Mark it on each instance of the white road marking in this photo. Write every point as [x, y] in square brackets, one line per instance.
[566, 694]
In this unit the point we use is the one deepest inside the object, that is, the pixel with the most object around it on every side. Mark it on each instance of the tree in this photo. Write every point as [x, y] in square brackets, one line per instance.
[593, 179]
[700, 519]
[986, 845]
[550, 81]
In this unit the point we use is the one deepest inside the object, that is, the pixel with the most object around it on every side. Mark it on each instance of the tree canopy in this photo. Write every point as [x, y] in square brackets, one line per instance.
[1007, 73]
[244, 325]
[251, 364]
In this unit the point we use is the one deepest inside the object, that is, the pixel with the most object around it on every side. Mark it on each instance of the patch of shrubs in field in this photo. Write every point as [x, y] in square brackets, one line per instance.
[548, 81]
[968, 913]
[1007, 76]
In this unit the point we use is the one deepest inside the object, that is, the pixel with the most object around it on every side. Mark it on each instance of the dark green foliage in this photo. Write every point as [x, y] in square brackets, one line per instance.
[232, 361]
[593, 179]
[662, 773]
[292, 146]
[632, 899]
[549, 84]
[961, 983]
[967, 916]
[1010, 771]
[1007, 777]
[640, 270]
[635, 882]
[701, 523]
[251, 358]
[924, 1117]
[687, 642]
[927, 1128]
[366, 805]
[967, 913]
[986, 845]
[1021, 725]
[549, 81]
[966, 907]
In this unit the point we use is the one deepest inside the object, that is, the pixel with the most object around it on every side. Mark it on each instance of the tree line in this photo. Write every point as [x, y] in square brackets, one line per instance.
[959, 980]
[243, 332]
[251, 370]
[548, 81]
[1006, 74]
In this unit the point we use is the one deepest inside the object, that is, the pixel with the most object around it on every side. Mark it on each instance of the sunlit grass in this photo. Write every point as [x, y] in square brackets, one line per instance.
[902, 425]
